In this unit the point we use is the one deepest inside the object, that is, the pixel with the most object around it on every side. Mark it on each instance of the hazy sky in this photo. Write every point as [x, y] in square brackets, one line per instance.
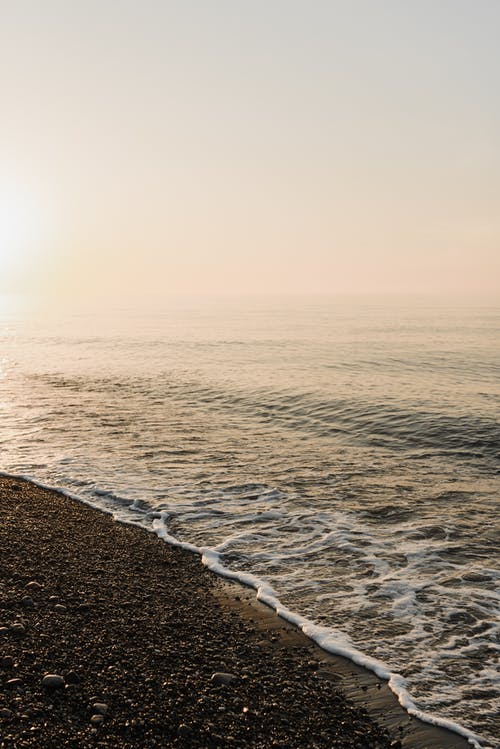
[202, 146]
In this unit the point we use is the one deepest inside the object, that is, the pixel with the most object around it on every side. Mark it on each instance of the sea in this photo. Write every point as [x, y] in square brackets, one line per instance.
[339, 454]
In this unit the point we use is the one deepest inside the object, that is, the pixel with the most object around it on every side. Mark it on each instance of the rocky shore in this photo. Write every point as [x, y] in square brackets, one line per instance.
[111, 638]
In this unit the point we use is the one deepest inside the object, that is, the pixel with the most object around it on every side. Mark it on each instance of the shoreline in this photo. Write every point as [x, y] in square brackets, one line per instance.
[143, 603]
[358, 683]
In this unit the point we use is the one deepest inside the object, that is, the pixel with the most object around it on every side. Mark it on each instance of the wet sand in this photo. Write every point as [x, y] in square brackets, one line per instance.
[153, 650]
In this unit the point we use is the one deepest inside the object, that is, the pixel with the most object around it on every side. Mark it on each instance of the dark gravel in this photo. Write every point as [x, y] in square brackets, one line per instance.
[147, 654]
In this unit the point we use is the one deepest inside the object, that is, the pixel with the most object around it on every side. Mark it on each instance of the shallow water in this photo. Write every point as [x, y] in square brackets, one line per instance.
[345, 452]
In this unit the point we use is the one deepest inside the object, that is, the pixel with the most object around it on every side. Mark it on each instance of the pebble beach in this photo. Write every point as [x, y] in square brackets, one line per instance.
[109, 637]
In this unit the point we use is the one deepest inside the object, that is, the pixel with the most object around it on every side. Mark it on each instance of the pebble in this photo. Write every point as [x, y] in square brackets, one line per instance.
[13, 683]
[72, 678]
[263, 644]
[4, 630]
[33, 585]
[53, 681]
[7, 662]
[28, 602]
[326, 673]
[6, 714]
[17, 628]
[184, 731]
[221, 678]
[100, 708]
[97, 719]
[60, 608]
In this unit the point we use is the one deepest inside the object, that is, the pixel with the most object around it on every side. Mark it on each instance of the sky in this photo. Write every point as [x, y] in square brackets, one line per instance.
[153, 148]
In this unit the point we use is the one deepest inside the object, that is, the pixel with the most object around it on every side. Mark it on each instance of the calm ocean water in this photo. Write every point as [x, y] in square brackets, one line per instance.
[346, 453]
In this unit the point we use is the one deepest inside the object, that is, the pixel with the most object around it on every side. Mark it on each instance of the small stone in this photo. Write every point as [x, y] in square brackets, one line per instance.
[184, 731]
[325, 673]
[53, 599]
[72, 678]
[100, 708]
[60, 608]
[28, 602]
[4, 630]
[7, 662]
[97, 719]
[18, 629]
[263, 643]
[14, 683]
[33, 585]
[53, 681]
[221, 678]
[6, 714]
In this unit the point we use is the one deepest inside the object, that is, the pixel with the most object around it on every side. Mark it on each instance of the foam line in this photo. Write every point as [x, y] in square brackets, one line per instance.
[337, 644]
[327, 638]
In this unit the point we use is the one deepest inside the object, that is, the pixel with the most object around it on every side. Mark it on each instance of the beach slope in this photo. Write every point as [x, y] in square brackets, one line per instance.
[149, 650]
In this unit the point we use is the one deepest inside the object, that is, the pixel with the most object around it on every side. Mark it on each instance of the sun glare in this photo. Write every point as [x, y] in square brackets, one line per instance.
[22, 230]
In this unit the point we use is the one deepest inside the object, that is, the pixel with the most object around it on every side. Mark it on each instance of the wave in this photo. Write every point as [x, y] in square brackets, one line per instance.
[386, 425]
